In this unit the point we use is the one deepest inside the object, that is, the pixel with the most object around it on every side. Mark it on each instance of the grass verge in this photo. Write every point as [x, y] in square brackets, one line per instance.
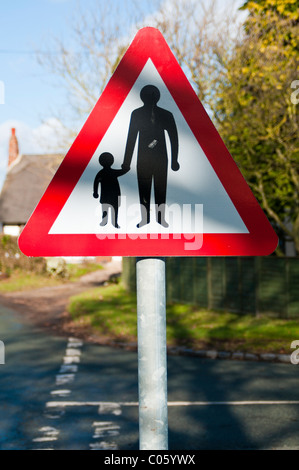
[110, 312]
[21, 280]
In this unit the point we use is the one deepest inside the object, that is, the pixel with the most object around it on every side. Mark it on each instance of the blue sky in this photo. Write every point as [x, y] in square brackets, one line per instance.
[25, 26]
[31, 93]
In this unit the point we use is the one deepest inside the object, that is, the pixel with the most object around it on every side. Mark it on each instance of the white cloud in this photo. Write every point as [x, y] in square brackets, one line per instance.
[221, 9]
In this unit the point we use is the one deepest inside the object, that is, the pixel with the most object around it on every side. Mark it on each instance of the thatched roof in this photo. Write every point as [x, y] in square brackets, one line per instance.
[25, 183]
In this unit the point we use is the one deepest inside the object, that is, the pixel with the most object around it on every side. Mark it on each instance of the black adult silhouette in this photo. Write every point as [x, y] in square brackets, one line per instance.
[110, 190]
[150, 123]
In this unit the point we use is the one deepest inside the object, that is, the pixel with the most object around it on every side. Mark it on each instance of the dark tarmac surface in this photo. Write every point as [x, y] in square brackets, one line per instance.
[61, 393]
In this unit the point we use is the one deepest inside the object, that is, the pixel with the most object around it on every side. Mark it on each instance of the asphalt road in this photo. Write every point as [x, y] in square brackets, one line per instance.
[60, 393]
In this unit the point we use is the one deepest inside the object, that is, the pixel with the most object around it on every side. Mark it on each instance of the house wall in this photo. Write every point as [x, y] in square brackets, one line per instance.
[13, 230]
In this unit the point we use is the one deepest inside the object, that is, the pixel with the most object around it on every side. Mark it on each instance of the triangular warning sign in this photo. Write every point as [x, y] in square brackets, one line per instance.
[148, 174]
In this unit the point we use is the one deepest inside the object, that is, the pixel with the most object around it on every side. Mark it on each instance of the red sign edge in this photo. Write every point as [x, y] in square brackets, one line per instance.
[147, 44]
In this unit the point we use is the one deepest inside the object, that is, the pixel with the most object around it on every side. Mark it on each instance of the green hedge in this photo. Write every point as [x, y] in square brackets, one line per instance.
[267, 285]
[11, 258]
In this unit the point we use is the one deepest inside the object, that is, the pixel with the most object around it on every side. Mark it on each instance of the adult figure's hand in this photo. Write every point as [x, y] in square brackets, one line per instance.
[175, 166]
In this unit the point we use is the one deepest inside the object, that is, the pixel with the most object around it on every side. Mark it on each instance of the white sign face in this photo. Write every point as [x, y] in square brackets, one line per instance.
[148, 174]
[196, 201]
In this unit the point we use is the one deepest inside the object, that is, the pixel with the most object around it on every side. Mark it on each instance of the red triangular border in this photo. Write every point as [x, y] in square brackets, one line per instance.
[147, 44]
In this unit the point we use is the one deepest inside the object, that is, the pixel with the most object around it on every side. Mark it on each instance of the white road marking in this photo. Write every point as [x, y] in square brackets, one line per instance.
[71, 360]
[75, 343]
[105, 429]
[63, 379]
[61, 393]
[103, 446]
[66, 375]
[73, 352]
[49, 434]
[65, 404]
[44, 439]
[110, 408]
[49, 431]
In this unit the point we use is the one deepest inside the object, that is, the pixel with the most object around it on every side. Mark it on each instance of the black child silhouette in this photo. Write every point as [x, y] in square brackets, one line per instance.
[150, 122]
[110, 190]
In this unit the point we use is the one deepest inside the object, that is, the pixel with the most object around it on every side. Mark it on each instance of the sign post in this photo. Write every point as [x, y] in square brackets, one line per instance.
[152, 354]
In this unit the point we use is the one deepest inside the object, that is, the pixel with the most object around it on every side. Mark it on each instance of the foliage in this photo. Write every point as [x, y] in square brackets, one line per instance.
[75, 271]
[28, 272]
[200, 34]
[110, 313]
[11, 258]
[85, 62]
[60, 269]
[20, 280]
[195, 31]
[23, 279]
[285, 8]
[256, 116]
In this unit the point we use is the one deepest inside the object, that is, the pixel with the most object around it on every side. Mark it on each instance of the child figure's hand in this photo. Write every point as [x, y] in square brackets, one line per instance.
[125, 167]
[95, 195]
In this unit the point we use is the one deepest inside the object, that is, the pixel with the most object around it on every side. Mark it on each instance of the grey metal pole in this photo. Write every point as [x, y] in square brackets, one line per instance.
[152, 354]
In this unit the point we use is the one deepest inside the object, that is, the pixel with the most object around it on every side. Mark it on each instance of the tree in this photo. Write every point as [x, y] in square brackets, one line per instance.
[195, 30]
[200, 33]
[255, 113]
[83, 64]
